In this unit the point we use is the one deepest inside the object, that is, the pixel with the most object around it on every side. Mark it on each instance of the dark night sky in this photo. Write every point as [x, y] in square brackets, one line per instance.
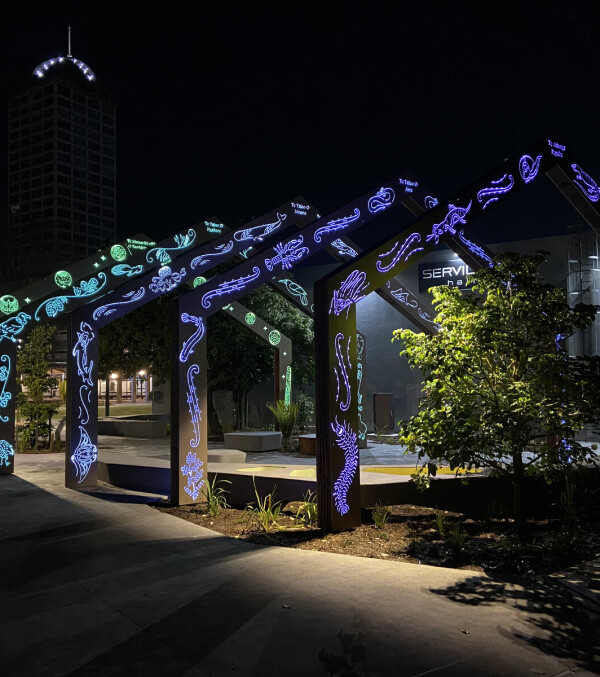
[232, 108]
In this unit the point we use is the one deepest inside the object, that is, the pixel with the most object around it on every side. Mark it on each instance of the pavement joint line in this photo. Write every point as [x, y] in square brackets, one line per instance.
[441, 667]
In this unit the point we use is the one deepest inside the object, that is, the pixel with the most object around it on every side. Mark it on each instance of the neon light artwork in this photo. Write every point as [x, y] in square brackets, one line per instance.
[288, 385]
[557, 149]
[346, 441]
[342, 374]
[8, 304]
[336, 224]
[194, 473]
[245, 253]
[398, 254]
[274, 337]
[382, 199]
[192, 400]
[220, 250]
[86, 288]
[402, 296]
[63, 279]
[586, 184]
[343, 248]
[182, 241]
[430, 202]
[85, 336]
[124, 269]
[166, 280]
[118, 252]
[455, 215]
[198, 281]
[250, 318]
[5, 395]
[496, 190]
[360, 351]
[475, 249]
[287, 254]
[230, 287]
[191, 342]
[295, 290]
[13, 326]
[110, 308]
[257, 233]
[40, 70]
[349, 292]
[6, 451]
[84, 455]
[528, 167]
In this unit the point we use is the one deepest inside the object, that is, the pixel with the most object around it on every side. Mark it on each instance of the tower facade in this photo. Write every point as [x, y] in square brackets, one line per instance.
[61, 169]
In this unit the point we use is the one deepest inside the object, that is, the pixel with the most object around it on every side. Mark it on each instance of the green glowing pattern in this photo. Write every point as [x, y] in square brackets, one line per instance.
[199, 280]
[118, 252]
[274, 337]
[139, 244]
[8, 304]
[63, 279]
[250, 318]
[288, 385]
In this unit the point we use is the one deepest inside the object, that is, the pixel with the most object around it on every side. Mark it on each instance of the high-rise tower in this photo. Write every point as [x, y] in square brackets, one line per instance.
[61, 168]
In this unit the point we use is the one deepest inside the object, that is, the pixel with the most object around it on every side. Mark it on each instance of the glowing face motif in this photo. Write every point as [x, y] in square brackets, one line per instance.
[63, 279]
[8, 304]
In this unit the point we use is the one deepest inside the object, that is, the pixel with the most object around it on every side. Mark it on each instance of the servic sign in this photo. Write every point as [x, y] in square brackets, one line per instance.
[453, 273]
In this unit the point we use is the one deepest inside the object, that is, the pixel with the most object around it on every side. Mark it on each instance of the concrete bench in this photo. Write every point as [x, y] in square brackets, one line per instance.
[226, 456]
[255, 441]
[308, 444]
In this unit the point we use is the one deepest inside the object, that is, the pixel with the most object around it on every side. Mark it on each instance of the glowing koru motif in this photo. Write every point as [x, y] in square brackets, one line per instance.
[13, 326]
[166, 280]
[194, 473]
[86, 288]
[5, 395]
[125, 269]
[192, 400]
[230, 286]
[220, 250]
[528, 167]
[295, 290]
[85, 366]
[347, 442]
[343, 248]
[586, 184]
[182, 241]
[430, 202]
[455, 215]
[382, 199]
[6, 451]
[341, 374]
[288, 385]
[84, 455]
[110, 308]
[360, 352]
[496, 190]
[475, 249]
[257, 233]
[399, 252]
[336, 224]
[350, 292]
[287, 253]
[188, 345]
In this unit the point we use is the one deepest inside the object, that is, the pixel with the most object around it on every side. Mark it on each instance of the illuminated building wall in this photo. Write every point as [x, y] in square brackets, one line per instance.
[583, 284]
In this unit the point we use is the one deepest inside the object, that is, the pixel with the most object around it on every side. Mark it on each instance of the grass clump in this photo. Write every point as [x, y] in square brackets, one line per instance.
[215, 495]
[307, 513]
[381, 515]
[265, 513]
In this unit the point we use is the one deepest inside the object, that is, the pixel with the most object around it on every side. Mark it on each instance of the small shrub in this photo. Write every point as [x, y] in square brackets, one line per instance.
[285, 415]
[381, 515]
[215, 495]
[62, 391]
[306, 412]
[307, 513]
[456, 538]
[440, 524]
[265, 513]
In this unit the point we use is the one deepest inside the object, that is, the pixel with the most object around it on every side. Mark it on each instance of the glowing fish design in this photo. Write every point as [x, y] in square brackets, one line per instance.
[84, 456]
[257, 233]
[586, 184]
[343, 248]
[475, 249]
[230, 286]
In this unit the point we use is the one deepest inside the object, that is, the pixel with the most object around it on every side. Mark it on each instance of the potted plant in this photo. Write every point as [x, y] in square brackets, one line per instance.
[285, 415]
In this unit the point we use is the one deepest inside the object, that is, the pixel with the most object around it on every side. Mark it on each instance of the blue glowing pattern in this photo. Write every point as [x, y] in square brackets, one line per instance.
[230, 286]
[182, 241]
[336, 224]
[13, 326]
[405, 250]
[558, 343]
[430, 202]
[455, 215]
[295, 290]
[360, 352]
[343, 248]
[496, 190]
[257, 233]
[403, 296]
[557, 149]
[110, 308]
[193, 471]
[528, 167]
[86, 288]
[342, 374]
[125, 269]
[382, 199]
[6, 451]
[84, 456]
[166, 280]
[192, 341]
[287, 253]
[347, 442]
[192, 400]
[244, 254]
[220, 250]
[5, 395]
[85, 366]
[586, 184]
[475, 249]
[41, 70]
[350, 292]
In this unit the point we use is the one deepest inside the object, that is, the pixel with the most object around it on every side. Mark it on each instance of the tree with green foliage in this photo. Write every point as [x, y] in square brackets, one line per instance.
[500, 390]
[32, 365]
